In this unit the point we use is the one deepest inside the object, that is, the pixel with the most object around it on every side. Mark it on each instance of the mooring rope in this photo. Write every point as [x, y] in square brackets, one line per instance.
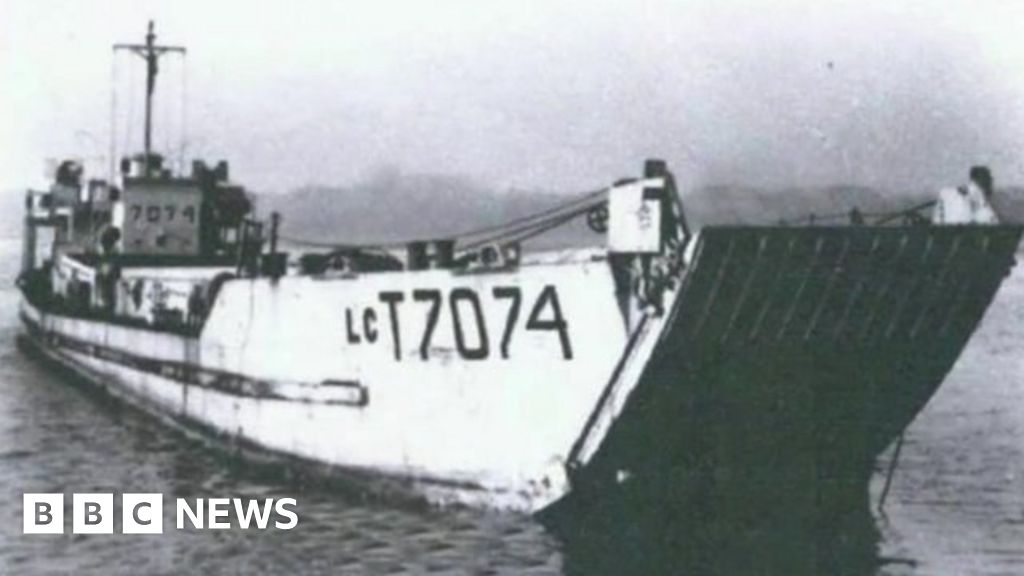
[888, 477]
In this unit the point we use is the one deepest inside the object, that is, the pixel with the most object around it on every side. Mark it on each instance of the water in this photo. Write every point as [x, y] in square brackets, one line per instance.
[957, 500]
[956, 504]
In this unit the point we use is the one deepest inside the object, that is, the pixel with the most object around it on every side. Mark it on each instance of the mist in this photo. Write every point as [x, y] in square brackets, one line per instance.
[558, 96]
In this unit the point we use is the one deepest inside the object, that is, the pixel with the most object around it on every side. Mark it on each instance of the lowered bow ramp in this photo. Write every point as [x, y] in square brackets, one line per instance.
[793, 358]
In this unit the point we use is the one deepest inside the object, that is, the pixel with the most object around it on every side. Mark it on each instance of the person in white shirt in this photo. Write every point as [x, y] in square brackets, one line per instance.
[970, 204]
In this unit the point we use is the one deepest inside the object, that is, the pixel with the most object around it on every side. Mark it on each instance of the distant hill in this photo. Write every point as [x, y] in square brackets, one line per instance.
[394, 207]
[725, 204]
[1009, 204]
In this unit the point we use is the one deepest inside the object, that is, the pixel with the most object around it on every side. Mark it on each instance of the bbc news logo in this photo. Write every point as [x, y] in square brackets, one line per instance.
[143, 513]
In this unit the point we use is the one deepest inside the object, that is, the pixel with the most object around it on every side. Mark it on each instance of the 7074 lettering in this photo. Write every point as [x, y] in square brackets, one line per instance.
[156, 213]
[467, 315]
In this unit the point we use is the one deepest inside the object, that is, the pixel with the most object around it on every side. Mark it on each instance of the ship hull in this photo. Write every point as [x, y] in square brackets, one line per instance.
[389, 375]
[784, 362]
[289, 431]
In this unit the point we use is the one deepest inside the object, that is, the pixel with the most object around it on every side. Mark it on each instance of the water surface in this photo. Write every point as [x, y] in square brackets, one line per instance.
[956, 504]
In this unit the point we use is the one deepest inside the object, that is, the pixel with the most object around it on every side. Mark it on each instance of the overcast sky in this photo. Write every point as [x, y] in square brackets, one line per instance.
[554, 95]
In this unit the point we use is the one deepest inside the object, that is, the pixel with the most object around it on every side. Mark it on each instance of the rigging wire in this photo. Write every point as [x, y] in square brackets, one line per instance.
[526, 226]
[165, 120]
[339, 246]
[883, 217]
[533, 229]
[184, 113]
[907, 212]
[537, 215]
[526, 235]
[131, 109]
[112, 129]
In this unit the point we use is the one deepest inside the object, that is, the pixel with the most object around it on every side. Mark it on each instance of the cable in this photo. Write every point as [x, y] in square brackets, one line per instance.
[131, 109]
[582, 198]
[112, 133]
[539, 220]
[165, 114]
[184, 113]
[906, 212]
[532, 229]
[883, 217]
[532, 233]
[341, 246]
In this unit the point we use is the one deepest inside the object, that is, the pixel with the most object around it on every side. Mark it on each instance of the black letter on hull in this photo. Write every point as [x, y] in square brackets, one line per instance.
[353, 338]
[516, 295]
[556, 323]
[370, 325]
[481, 351]
[434, 297]
[392, 299]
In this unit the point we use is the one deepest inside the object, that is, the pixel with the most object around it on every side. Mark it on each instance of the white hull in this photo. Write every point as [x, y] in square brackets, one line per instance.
[278, 366]
[774, 351]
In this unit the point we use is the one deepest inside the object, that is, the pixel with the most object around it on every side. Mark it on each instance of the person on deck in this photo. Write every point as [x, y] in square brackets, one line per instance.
[196, 308]
[970, 204]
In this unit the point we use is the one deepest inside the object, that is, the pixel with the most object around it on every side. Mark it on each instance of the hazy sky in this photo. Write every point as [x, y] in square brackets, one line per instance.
[556, 95]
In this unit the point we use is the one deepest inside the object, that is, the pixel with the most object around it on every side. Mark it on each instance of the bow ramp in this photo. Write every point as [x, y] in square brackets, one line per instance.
[788, 360]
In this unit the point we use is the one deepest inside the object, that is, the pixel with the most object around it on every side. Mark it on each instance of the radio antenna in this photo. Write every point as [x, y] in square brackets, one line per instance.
[151, 53]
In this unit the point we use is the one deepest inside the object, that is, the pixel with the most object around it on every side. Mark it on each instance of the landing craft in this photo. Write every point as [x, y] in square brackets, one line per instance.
[663, 361]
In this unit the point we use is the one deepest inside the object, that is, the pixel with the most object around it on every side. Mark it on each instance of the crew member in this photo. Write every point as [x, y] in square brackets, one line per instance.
[196, 308]
[970, 204]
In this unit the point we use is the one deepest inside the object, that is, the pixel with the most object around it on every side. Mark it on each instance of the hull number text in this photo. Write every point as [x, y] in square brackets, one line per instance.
[474, 339]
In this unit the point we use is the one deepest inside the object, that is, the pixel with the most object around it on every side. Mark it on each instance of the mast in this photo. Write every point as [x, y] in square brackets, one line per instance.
[151, 53]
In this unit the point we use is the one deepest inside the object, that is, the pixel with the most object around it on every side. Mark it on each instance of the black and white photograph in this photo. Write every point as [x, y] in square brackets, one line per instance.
[670, 287]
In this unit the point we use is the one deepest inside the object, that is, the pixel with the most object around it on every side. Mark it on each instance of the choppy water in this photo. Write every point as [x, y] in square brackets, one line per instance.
[956, 505]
